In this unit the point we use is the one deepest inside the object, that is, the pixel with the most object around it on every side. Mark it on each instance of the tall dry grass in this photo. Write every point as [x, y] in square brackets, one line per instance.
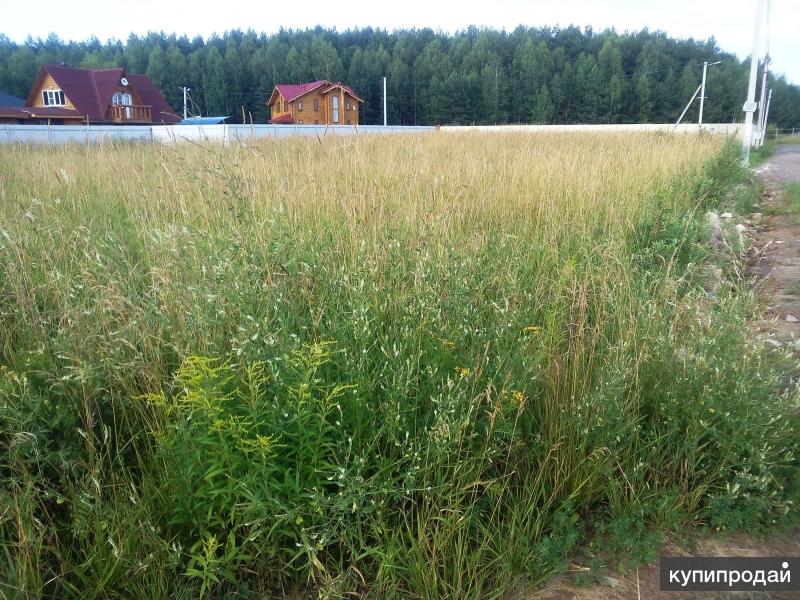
[419, 366]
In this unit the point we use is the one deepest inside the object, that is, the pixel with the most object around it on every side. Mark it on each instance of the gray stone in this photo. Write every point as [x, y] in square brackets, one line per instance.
[714, 227]
[791, 319]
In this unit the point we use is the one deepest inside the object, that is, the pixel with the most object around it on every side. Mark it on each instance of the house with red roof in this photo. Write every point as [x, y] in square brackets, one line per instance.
[63, 95]
[316, 103]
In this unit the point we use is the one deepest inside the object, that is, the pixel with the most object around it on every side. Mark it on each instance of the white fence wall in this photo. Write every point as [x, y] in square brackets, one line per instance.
[716, 128]
[62, 134]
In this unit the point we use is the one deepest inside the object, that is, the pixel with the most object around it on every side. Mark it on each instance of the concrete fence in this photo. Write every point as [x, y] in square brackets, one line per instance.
[62, 134]
[685, 128]
[84, 134]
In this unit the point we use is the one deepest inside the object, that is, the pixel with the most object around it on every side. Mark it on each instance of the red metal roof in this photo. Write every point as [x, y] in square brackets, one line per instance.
[290, 91]
[284, 119]
[90, 91]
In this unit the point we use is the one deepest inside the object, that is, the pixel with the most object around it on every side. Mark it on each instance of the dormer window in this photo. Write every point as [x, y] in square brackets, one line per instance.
[121, 99]
[53, 98]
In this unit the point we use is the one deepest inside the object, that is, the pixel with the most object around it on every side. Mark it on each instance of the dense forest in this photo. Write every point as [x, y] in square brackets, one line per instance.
[528, 75]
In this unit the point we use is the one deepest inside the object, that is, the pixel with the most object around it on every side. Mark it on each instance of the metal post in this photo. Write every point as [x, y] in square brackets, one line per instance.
[384, 102]
[750, 105]
[678, 122]
[762, 102]
[766, 116]
[702, 93]
[185, 89]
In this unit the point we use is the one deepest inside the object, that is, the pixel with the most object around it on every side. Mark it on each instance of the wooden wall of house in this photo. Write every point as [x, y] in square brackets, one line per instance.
[346, 117]
[308, 115]
[278, 106]
[350, 116]
[48, 83]
[324, 115]
[136, 98]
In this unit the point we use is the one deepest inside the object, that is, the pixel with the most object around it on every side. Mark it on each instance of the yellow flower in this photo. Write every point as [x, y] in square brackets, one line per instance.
[532, 329]
[463, 371]
[517, 396]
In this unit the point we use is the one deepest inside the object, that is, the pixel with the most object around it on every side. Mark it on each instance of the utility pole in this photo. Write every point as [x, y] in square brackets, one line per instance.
[702, 93]
[706, 64]
[384, 102]
[762, 100]
[750, 105]
[185, 90]
[701, 89]
[766, 116]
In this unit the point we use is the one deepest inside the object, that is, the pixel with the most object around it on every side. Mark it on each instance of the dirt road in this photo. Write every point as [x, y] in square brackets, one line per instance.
[778, 238]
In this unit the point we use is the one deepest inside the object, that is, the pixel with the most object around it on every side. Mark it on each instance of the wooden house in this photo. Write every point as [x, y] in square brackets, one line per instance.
[316, 103]
[63, 95]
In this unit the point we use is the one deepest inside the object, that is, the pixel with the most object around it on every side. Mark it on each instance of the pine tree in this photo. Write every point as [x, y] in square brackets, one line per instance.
[543, 111]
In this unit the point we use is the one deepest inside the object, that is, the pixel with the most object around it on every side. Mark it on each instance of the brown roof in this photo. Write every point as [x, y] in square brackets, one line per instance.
[162, 112]
[43, 112]
[90, 91]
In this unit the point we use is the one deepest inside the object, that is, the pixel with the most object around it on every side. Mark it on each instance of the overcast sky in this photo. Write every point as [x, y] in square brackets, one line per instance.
[729, 21]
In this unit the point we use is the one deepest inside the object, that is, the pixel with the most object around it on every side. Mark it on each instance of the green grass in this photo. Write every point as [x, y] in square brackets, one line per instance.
[792, 196]
[789, 203]
[420, 367]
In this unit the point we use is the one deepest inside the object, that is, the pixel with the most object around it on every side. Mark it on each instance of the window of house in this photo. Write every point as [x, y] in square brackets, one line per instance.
[121, 98]
[347, 105]
[335, 106]
[53, 98]
[316, 104]
[299, 106]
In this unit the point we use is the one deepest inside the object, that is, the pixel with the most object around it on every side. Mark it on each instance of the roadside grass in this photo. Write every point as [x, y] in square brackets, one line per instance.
[789, 205]
[792, 195]
[759, 155]
[417, 367]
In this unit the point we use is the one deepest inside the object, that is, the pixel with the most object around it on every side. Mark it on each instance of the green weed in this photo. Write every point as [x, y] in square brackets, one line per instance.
[425, 367]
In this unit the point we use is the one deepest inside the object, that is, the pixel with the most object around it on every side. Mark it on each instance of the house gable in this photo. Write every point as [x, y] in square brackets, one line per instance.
[313, 103]
[91, 93]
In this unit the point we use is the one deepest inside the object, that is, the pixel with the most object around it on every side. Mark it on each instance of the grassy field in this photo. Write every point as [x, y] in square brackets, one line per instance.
[417, 367]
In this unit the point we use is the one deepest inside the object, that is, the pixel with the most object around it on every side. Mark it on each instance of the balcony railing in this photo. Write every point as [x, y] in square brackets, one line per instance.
[130, 113]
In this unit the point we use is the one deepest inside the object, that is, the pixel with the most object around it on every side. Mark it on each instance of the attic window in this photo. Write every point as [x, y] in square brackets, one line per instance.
[299, 106]
[53, 98]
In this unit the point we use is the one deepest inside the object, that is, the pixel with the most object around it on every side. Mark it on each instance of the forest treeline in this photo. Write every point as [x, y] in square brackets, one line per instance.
[482, 76]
